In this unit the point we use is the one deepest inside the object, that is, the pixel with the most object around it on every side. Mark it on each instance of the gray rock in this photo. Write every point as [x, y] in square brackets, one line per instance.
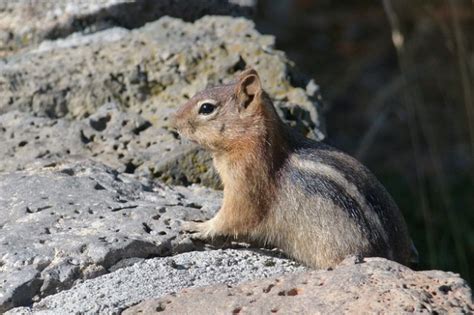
[124, 141]
[79, 39]
[28, 139]
[377, 286]
[24, 23]
[147, 73]
[175, 60]
[75, 220]
[109, 294]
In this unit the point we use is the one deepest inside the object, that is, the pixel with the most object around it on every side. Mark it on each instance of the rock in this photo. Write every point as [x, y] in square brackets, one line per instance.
[74, 220]
[146, 73]
[109, 294]
[175, 60]
[124, 141]
[375, 286]
[24, 23]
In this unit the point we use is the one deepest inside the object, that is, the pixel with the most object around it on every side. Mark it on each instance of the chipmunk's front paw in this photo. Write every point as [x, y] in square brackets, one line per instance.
[199, 230]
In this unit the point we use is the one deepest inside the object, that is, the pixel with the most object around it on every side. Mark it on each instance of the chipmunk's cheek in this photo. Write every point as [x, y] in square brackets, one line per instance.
[203, 137]
[191, 126]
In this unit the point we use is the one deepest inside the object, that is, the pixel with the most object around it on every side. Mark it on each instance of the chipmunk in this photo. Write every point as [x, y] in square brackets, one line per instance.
[315, 203]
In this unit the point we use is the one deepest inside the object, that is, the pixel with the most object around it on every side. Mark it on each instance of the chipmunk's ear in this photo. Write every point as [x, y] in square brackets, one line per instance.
[248, 87]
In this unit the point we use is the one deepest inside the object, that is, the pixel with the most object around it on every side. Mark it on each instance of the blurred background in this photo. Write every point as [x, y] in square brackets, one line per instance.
[398, 82]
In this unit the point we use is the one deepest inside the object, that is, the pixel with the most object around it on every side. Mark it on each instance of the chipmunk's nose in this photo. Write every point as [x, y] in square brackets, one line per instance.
[178, 119]
[174, 122]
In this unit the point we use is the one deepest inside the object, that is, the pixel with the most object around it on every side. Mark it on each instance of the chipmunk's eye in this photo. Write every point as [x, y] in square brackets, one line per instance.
[206, 108]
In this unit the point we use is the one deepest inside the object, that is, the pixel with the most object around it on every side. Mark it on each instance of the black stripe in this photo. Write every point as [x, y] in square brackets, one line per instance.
[374, 193]
[315, 184]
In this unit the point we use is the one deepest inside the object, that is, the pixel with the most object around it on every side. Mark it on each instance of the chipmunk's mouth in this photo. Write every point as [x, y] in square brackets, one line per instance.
[186, 140]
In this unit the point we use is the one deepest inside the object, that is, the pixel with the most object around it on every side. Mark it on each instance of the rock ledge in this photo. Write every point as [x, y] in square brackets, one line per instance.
[375, 286]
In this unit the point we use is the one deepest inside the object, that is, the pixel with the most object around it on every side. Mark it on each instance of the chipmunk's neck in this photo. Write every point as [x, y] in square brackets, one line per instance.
[263, 149]
[249, 170]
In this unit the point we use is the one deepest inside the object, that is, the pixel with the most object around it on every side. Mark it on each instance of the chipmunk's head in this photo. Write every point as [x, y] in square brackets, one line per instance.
[218, 117]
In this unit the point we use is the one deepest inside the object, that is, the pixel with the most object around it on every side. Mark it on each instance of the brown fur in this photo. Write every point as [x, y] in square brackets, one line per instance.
[285, 190]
